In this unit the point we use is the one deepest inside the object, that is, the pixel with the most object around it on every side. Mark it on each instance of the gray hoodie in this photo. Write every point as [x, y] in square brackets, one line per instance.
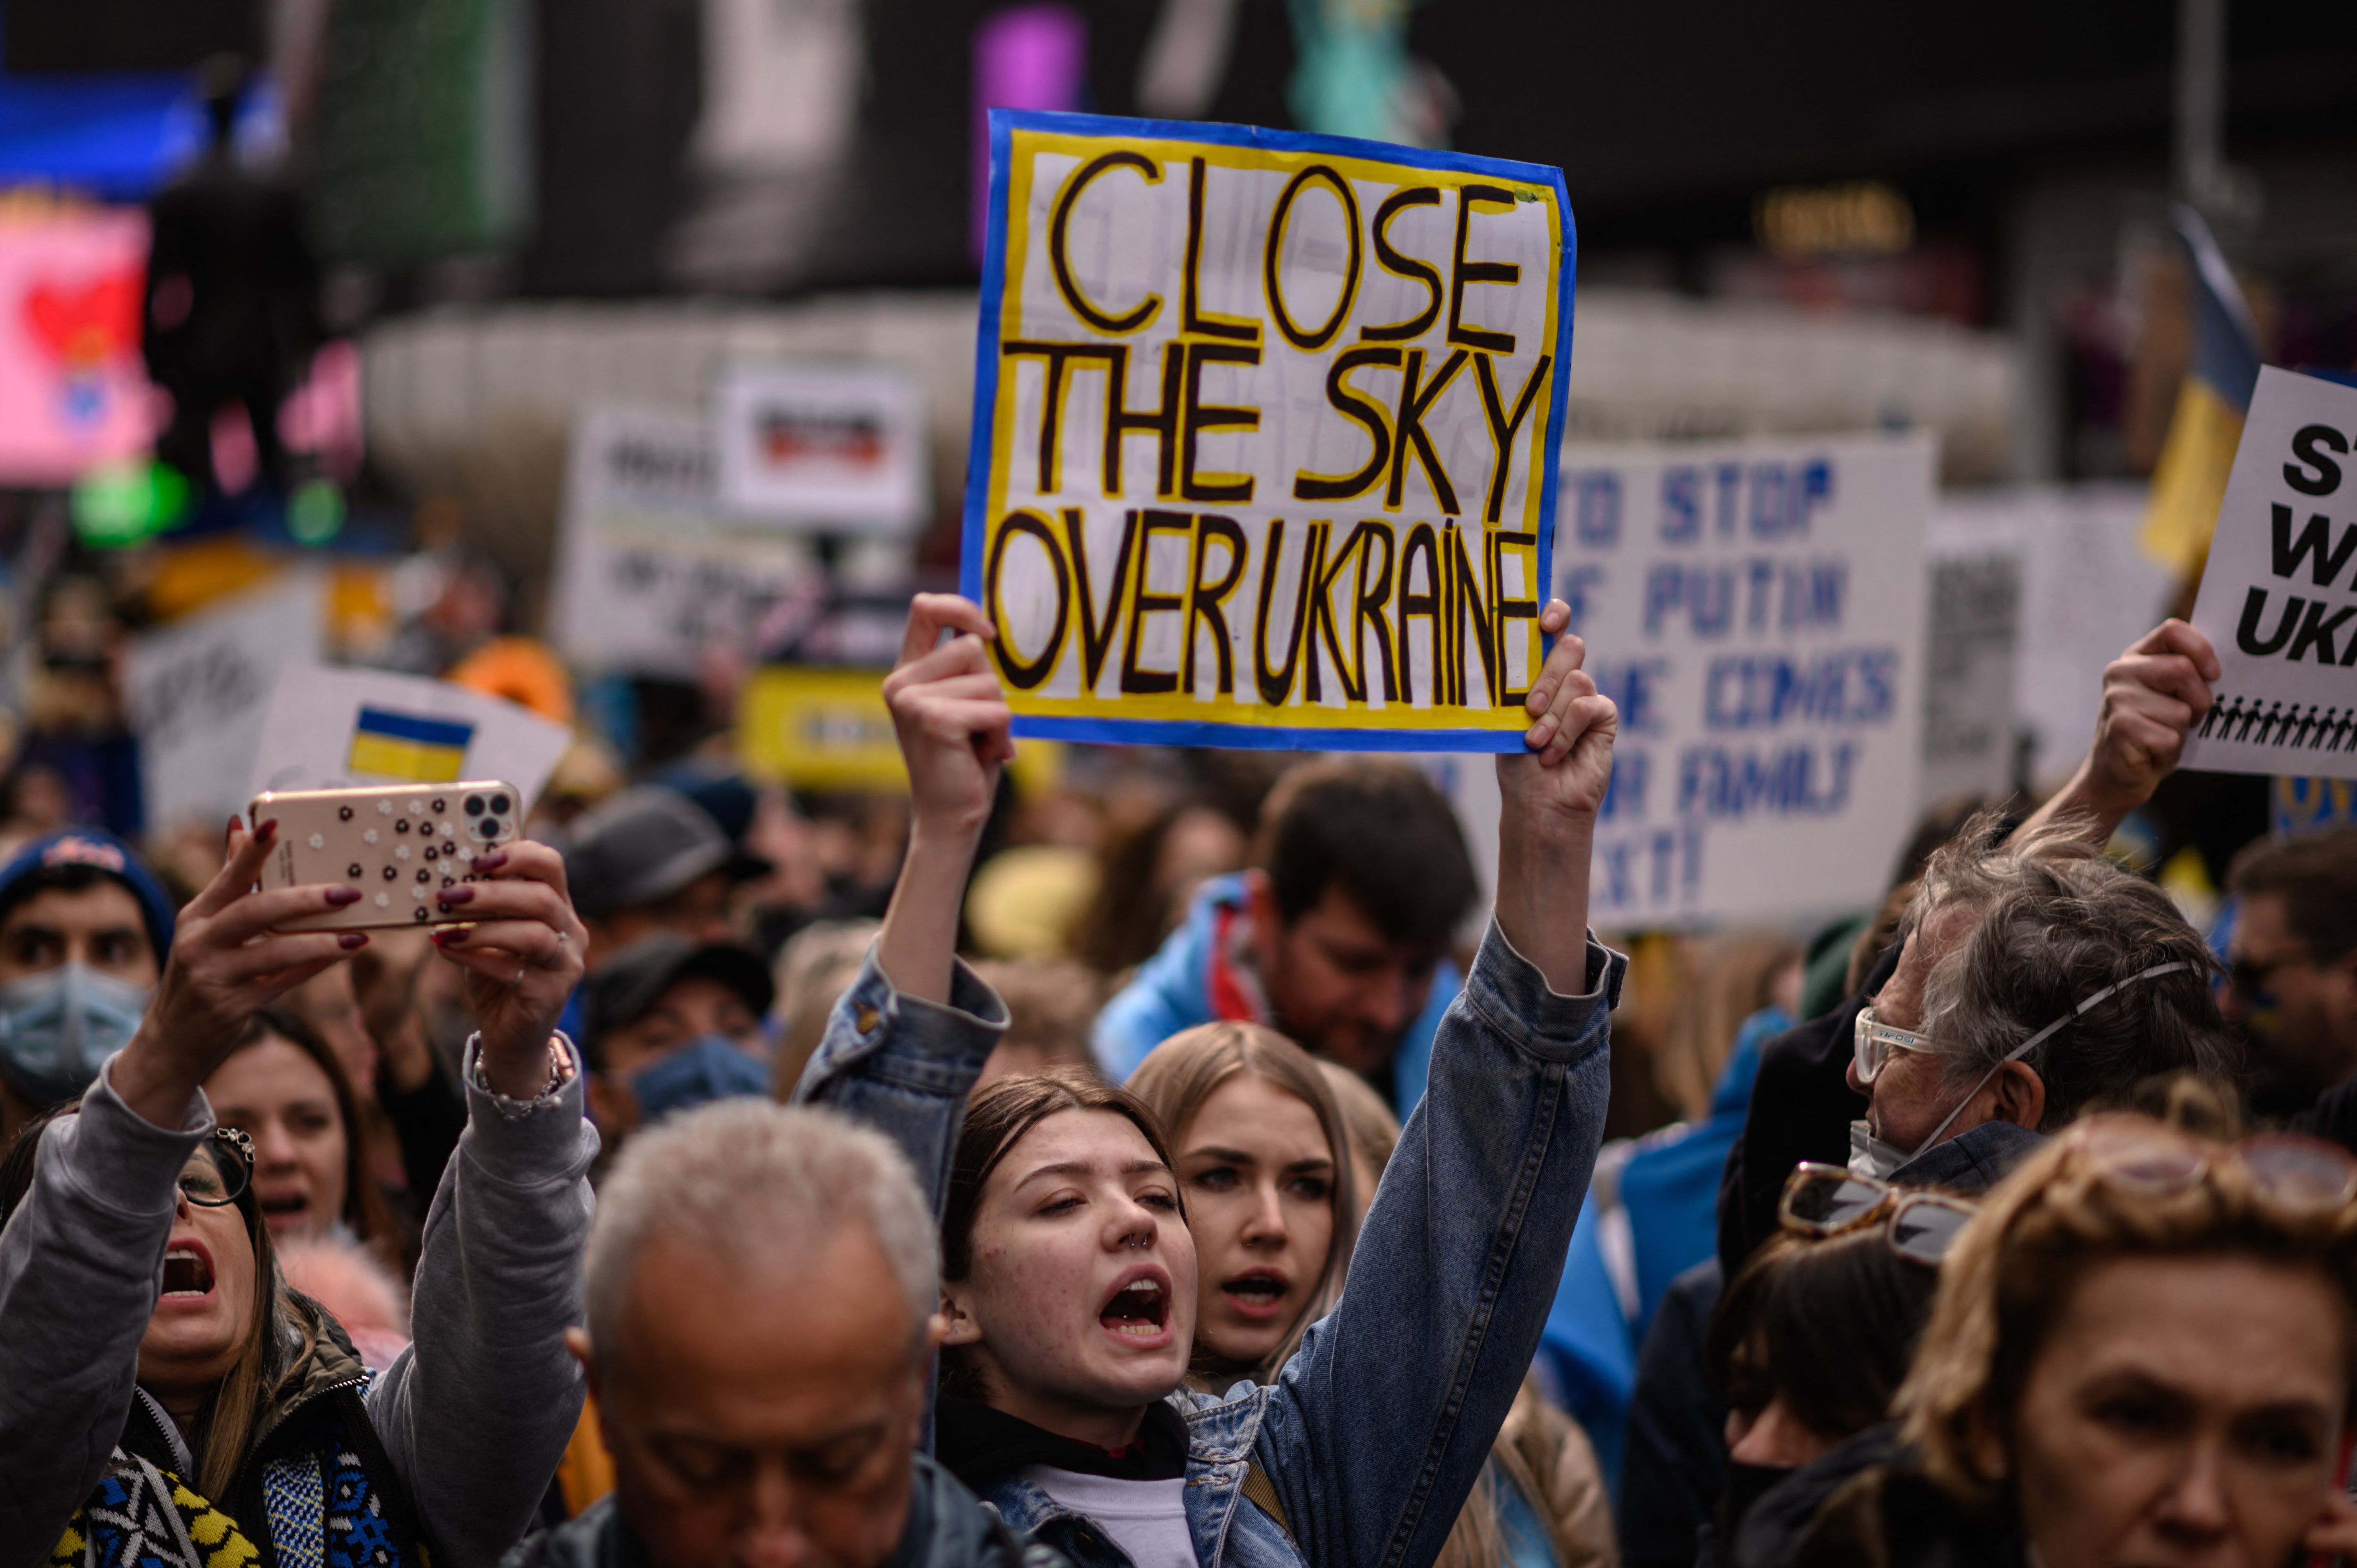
[473, 1416]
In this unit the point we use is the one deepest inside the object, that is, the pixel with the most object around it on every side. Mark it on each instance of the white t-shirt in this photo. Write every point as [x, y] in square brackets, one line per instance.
[1147, 1519]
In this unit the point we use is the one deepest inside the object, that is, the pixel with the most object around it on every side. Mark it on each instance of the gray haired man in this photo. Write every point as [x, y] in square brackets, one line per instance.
[761, 1295]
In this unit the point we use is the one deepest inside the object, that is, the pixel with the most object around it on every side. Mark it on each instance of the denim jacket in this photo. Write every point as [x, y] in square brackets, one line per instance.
[1374, 1433]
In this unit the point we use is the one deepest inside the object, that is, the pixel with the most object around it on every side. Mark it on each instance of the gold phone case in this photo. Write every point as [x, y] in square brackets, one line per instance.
[399, 845]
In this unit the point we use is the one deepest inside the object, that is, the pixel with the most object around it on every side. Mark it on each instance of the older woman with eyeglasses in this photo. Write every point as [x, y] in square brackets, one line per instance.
[164, 1400]
[2141, 1352]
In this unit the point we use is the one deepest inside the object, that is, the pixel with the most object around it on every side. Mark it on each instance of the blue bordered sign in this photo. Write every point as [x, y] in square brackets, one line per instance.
[1266, 432]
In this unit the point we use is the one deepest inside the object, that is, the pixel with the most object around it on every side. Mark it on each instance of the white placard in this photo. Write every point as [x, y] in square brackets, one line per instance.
[196, 692]
[825, 447]
[2279, 596]
[1757, 611]
[1970, 659]
[651, 577]
[327, 726]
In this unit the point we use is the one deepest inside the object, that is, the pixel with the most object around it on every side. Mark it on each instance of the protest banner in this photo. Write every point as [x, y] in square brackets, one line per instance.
[1758, 612]
[651, 577]
[1970, 658]
[833, 449]
[328, 728]
[196, 692]
[1264, 436]
[811, 727]
[2279, 594]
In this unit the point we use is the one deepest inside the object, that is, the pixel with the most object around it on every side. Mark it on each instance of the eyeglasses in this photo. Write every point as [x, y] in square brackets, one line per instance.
[2292, 1174]
[1872, 1042]
[218, 1173]
[1828, 1200]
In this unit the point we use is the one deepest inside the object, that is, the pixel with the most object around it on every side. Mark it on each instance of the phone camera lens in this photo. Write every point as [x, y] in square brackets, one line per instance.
[474, 805]
[498, 802]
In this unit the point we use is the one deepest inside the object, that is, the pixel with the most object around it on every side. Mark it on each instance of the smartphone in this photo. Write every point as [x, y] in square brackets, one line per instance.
[399, 845]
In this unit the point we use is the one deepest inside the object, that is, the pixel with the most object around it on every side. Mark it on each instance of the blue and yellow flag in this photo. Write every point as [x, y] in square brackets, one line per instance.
[2188, 484]
[410, 747]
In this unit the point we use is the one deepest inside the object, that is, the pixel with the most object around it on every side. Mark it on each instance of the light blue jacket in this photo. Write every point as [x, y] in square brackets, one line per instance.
[1171, 991]
[1373, 1434]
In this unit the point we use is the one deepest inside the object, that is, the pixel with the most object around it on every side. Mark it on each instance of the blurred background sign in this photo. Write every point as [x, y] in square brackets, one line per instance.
[653, 577]
[73, 394]
[829, 448]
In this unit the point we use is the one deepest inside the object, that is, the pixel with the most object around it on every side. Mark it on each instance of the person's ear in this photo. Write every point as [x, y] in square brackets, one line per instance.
[612, 1106]
[2020, 1096]
[955, 1323]
[937, 1332]
[1260, 900]
[576, 1341]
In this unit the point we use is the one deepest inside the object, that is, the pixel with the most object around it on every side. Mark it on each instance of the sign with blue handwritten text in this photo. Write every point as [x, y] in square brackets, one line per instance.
[2279, 594]
[1266, 435]
[1757, 611]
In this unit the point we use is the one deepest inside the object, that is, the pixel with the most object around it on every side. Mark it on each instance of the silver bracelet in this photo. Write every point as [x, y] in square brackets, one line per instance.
[560, 1073]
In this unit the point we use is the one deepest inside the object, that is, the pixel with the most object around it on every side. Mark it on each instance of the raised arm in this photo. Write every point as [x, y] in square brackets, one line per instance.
[1464, 1243]
[81, 1260]
[476, 1414]
[905, 1044]
[2153, 696]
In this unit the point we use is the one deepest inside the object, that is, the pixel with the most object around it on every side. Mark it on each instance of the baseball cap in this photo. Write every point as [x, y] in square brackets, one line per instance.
[643, 845]
[101, 852]
[634, 979]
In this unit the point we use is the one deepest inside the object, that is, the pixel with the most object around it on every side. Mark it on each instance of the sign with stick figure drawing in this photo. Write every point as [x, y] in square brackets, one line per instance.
[2279, 596]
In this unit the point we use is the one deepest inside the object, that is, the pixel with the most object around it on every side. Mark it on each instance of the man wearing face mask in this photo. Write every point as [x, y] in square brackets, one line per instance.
[1806, 1097]
[83, 928]
[671, 1023]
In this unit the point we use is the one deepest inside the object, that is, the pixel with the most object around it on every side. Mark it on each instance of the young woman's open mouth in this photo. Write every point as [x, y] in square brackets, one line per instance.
[1137, 1310]
[187, 1272]
[283, 1210]
[1256, 1294]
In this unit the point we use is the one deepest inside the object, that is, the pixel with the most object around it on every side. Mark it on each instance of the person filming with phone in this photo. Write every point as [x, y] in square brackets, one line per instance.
[165, 1399]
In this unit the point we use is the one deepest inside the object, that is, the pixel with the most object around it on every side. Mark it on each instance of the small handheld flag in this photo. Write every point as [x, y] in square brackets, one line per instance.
[409, 746]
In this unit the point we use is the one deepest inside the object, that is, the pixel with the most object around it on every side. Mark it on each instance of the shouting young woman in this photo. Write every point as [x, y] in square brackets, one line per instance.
[1070, 1278]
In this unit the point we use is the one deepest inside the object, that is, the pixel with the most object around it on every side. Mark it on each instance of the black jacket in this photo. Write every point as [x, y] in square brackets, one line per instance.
[948, 1527]
[1865, 1501]
[1802, 1106]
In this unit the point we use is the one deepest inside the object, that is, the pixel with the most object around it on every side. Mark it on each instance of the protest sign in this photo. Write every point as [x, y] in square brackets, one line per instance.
[1265, 435]
[830, 447]
[328, 728]
[2279, 594]
[816, 728]
[1757, 610]
[1968, 672]
[196, 692]
[652, 578]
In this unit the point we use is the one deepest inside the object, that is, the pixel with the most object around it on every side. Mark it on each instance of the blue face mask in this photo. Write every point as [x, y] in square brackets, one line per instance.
[711, 1068]
[58, 1027]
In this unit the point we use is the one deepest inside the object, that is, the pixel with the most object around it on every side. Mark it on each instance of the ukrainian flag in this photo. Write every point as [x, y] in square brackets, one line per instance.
[406, 746]
[2188, 484]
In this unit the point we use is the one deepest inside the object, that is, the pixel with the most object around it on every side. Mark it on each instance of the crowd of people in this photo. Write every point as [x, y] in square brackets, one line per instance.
[727, 1180]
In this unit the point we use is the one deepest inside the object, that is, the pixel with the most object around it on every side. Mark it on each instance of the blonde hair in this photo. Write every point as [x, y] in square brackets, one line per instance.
[1736, 977]
[1181, 1073]
[2011, 1275]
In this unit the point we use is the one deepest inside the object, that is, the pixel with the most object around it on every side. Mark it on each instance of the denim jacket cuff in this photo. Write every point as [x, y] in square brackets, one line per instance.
[1510, 991]
[958, 1036]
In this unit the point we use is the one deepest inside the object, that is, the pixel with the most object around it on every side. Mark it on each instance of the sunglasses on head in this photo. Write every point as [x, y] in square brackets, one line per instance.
[2294, 1175]
[220, 1169]
[1828, 1201]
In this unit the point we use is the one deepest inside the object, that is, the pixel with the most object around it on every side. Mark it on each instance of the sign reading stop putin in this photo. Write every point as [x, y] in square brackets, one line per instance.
[1265, 435]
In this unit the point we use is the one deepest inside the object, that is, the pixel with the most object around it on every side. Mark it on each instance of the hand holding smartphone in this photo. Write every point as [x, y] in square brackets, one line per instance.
[397, 844]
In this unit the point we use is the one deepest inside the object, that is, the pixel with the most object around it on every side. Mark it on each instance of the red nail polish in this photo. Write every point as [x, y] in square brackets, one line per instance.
[455, 895]
[351, 942]
[339, 897]
[492, 861]
[267, 831]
